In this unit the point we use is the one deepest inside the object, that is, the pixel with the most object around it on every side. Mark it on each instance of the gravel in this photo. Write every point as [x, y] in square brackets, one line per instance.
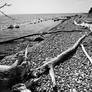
[74, 75]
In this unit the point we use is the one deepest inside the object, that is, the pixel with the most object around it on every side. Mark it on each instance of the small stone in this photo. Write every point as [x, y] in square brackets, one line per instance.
[73, 90]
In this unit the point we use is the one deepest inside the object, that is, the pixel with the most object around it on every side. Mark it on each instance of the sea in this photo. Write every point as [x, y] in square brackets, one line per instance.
[26, 18]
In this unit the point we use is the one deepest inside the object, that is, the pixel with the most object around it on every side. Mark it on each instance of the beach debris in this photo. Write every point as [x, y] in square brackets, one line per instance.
[20, 88]
[25, 63]
[5, 68]
[84, 24]
[81, 24]
[26, 52]
[52, 75]
[25, 56]
[83, 48]
[6, 4]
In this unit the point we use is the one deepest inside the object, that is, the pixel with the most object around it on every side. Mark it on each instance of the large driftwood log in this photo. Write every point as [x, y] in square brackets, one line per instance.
[64, 55]
[43, 33]
[5, 5]
[48, 66]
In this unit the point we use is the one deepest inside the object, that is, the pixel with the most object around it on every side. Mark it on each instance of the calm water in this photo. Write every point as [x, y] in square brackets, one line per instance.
[24, 18]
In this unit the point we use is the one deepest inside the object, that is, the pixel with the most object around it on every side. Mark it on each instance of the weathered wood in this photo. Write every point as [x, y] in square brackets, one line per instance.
[83, 48]
[64, 55]
[43, 33]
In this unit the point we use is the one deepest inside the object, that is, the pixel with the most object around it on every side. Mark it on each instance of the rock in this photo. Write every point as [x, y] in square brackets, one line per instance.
[17, 26]
[39, 39]
[13, 26]
[10, 27]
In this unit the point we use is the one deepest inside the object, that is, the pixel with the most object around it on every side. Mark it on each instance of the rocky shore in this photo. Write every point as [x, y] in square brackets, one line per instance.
[75, 74]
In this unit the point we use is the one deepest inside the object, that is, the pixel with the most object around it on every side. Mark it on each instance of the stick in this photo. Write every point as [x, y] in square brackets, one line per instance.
[52, 75]
[26, 51]
[83, 48]
[64, 55]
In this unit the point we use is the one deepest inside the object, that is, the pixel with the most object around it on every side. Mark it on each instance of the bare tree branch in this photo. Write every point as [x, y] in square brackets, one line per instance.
[64, 55]
[52, 74]
[84, 24]
[26, 51]
[5, 5]
[6, 15]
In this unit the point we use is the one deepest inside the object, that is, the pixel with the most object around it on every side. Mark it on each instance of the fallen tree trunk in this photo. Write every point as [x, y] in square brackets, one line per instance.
[43, 33]
[83, 48]
[64, 55]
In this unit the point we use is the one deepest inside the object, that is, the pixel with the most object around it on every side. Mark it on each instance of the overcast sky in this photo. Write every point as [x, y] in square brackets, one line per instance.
[47, 6]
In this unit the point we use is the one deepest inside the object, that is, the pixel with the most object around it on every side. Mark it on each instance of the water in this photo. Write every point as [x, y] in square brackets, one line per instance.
[24, 18]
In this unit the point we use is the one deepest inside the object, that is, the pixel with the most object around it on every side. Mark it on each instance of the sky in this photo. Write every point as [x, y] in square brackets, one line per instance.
[46, 6]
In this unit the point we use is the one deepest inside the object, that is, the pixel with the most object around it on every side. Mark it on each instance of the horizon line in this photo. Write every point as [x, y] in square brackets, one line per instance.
[48, 13]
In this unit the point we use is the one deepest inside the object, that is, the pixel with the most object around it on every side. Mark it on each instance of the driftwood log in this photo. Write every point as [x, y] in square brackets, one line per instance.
[84, 24]
[43, 33]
